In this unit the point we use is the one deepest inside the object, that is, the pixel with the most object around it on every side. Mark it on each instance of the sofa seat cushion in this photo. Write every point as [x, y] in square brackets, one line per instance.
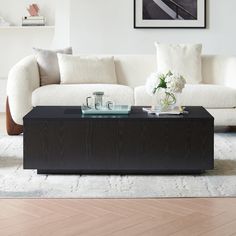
[75, 95]
[208, 96]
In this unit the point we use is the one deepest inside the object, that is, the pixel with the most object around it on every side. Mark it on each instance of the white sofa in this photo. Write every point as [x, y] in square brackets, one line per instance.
[217, 92]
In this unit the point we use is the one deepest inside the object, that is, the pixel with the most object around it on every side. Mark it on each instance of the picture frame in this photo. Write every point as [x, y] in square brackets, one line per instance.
[170, 14]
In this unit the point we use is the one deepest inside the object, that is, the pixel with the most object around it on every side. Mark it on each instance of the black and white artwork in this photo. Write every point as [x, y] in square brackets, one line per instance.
[170, 13]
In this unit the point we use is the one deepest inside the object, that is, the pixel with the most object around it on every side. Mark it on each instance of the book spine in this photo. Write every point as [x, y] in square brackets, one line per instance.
[33, 18]
[33, 22]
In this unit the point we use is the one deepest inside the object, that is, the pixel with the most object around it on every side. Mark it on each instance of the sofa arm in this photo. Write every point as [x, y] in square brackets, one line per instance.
[23, 79]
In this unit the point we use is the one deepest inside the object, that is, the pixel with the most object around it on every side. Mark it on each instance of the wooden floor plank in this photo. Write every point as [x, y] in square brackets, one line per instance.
[177, 225]
[225, 230]
[208, 225]
[16, 220]
[82, 207]
[36, 224]
[32, 209]
[141, 228]
[58, 227]
[195, 207]
[147, 210]
[117, 206]
[83, 228]
[122, 223]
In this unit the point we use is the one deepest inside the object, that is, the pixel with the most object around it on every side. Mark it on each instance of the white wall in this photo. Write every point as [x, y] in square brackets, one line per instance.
[62, 22]
[106, 26]
[18, 43]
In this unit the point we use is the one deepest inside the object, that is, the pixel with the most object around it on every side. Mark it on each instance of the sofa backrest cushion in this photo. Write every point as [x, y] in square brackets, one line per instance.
[219, 70]
[183, 59]
[48, 65]
[87, 70]
[133, 70]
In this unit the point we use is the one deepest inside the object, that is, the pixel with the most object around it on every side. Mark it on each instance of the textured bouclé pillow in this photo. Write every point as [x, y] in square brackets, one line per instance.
[184, 59]
[48, 65]
[87, 70]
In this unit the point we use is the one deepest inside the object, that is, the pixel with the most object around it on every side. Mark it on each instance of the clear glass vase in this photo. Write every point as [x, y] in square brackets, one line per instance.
[164, 101]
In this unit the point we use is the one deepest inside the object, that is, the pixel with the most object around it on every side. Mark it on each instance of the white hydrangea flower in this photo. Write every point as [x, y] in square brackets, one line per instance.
[169, 83]
[175, 83]
[152, 82]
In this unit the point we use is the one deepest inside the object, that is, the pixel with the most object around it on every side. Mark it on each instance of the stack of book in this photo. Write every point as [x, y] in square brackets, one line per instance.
[175, 111]
[33, 21]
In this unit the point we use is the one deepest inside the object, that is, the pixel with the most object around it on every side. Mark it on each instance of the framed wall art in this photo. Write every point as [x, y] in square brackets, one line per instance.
[169, 13]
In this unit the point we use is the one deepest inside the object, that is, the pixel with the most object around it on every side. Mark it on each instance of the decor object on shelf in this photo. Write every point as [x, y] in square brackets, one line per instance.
[33, 21]
[169, 13]
[33, 10]
[3, 22]
[164, 88]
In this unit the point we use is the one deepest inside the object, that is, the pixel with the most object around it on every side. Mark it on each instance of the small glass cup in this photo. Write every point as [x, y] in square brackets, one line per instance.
[109, 104]
[95, 101]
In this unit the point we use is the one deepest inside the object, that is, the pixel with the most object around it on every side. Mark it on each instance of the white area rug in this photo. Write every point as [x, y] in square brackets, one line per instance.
[16, 182]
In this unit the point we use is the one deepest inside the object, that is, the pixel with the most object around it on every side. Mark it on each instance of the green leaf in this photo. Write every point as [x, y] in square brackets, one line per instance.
[169, 73]
[162, 83]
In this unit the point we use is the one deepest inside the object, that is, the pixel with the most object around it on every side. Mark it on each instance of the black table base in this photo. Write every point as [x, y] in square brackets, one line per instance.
[59, 142]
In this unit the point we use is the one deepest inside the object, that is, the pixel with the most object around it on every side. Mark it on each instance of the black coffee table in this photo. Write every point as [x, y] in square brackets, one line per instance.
[62, 140]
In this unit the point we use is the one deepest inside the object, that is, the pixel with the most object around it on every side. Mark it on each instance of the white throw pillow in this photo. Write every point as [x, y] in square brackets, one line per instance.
[87, 70]
[184, 59]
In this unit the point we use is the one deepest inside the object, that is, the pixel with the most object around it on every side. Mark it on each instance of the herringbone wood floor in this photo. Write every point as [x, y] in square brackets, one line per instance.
[118, 217]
